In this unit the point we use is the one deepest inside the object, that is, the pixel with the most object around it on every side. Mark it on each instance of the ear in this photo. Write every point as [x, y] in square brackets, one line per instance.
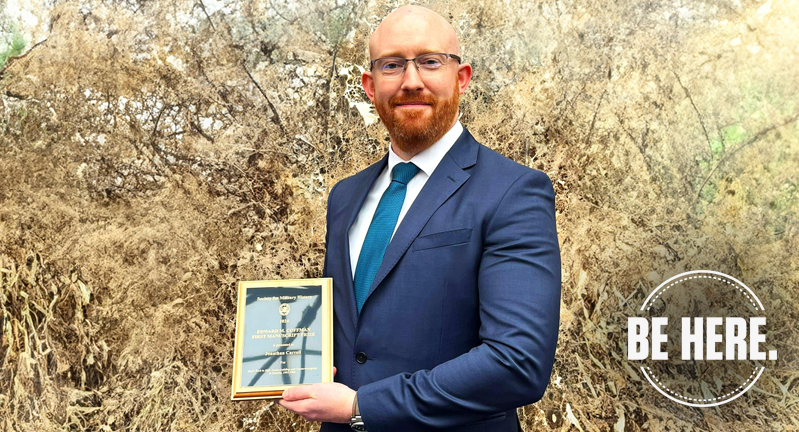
[464, 77]
[368, 83]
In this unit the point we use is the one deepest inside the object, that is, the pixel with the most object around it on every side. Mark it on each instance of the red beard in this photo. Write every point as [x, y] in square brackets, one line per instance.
[415, 129]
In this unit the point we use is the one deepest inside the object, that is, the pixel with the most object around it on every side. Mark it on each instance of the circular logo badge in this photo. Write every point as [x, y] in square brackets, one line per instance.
[284, 309]
[700, 338]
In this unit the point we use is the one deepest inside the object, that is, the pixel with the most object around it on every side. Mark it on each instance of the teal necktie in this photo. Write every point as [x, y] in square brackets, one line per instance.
[381, 229]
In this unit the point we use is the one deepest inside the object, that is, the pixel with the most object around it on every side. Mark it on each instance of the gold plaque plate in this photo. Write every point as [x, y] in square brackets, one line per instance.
[284, 336]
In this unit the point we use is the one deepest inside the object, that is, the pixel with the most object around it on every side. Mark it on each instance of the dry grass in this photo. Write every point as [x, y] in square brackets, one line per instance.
[148, 161]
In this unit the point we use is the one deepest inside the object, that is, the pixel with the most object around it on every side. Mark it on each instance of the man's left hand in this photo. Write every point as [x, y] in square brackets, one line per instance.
[328, 402]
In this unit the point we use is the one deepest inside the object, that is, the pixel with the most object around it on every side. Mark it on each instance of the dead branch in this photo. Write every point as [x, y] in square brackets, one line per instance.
[202, 6]
[698, 114]
[276, 117]
[195, 127]
[757, 137]
[593, 120]
[14, 59]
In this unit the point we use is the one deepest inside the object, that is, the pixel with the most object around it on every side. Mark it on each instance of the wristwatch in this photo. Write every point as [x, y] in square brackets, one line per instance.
[356, 422]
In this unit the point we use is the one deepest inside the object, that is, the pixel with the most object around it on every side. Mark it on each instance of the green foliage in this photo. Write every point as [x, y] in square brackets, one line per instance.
[716, 148]
[709, 192]
[337, 23]
[731, 136]
[12, 46]
[786, 199]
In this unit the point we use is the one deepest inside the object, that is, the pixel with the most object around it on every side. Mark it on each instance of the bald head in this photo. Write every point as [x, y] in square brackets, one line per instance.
[420, 104]
[409, 28]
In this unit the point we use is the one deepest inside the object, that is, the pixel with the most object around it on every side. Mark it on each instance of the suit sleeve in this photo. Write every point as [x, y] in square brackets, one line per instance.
[519, 288]
[327, 226]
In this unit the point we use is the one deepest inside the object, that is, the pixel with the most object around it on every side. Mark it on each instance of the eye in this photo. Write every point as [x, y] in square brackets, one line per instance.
[430, 62]
[391, 65]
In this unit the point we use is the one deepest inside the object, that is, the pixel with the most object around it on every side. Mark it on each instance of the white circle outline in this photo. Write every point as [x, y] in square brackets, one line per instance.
[702, 271]
[762, 368]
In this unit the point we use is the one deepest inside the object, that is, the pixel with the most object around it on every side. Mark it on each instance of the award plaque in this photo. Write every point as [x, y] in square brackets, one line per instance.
[283, 336]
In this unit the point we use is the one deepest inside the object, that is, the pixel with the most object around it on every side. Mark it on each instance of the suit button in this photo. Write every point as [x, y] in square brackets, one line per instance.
[360, 357]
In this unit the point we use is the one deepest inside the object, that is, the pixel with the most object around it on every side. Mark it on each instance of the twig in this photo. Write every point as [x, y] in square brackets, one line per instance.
[258, 203]
[327, 114]
[276, 117]
[202, 6]
[154, 133]
[698, 114]
[11, 61]
[593, 121]
[255, 150]
[641, 146]
[758, 136]
[200, 131]
[236, 210]
[277, 12]
[180, 132]
[661, 414]
[9, 93]
[301, 138]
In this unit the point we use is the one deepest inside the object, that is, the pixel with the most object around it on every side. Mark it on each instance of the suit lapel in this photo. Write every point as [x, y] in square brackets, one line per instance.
[446, 179]
[347, 308]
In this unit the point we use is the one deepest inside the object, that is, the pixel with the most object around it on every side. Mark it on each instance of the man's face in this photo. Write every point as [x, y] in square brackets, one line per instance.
[417, 107]
[419, 116]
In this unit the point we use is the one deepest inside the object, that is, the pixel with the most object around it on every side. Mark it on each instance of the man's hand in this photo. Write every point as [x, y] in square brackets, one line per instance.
[328, 402]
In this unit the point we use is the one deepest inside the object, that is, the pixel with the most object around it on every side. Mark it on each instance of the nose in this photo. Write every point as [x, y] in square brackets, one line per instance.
[411, 80]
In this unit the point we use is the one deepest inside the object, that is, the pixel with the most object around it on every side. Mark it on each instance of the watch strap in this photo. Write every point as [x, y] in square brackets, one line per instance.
[356, 422]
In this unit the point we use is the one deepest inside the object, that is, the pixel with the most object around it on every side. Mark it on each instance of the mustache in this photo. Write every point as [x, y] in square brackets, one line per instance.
[399, 100]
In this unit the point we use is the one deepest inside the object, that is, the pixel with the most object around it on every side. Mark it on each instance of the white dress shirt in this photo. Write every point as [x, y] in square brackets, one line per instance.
[427, 160]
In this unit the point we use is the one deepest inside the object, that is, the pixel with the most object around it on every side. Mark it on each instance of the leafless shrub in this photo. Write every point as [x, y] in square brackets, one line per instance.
[152, 154]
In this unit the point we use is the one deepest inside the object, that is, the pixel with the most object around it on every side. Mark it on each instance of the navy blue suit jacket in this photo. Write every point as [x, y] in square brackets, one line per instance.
[460, 325]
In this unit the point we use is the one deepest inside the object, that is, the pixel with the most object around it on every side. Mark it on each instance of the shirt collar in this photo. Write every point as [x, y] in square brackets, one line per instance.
[428, 159]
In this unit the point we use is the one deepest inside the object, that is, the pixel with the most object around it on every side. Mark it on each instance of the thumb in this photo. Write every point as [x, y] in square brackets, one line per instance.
[295, 393]
[334, 371]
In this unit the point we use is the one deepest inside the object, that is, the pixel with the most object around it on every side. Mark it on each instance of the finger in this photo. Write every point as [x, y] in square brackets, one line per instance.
[297, 393]
[302, 407]
[334, 371]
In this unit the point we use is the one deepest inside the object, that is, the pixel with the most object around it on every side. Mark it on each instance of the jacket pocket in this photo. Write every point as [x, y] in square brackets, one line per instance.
[441, 239]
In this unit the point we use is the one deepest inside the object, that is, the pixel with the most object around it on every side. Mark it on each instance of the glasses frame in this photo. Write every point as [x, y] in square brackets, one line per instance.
[405, 65]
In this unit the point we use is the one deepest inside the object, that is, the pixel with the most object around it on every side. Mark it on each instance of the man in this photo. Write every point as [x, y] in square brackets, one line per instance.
[444, 259]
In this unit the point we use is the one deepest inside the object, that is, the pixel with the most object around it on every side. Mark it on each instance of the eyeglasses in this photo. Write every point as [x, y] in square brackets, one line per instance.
[426, 64]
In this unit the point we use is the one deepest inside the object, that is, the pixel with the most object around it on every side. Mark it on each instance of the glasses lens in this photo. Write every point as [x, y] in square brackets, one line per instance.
[395, 66]
[431, 62]
[390, 66]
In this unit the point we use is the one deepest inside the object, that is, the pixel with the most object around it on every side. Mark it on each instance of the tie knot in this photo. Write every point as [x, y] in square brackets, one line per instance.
[404, 172]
